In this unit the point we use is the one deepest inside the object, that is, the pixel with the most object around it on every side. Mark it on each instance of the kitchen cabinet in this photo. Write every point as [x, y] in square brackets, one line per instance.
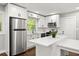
[29, 45]
[16, 11]
[53, 18]
[41, 22]
[41, 25]
[33, 15]
[47, 46]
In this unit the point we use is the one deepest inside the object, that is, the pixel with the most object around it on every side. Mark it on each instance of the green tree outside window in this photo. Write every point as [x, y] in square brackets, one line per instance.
[31, 24]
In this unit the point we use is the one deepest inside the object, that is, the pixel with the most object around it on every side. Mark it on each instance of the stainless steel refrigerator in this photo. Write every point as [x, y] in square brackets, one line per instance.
[17, 36]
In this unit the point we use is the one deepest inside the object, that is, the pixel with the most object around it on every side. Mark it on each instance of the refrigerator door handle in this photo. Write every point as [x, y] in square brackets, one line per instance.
[19, 29]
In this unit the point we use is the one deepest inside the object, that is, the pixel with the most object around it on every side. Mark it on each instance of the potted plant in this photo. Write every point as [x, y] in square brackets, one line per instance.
[53, 33]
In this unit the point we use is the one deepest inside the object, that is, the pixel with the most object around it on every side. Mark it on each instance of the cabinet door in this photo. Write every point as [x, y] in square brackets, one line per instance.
[49, 19]
[33, 15]
[29, 44]
[16, 11]
[57, 20]
[41, 22]
[54, 18]
[23, 13]
[13, 10]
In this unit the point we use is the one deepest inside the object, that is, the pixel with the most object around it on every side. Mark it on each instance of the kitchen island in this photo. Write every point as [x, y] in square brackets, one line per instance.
[47, 46]
[71, 45]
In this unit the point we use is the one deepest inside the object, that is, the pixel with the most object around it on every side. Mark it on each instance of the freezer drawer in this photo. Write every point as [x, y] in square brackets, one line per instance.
[17, 42]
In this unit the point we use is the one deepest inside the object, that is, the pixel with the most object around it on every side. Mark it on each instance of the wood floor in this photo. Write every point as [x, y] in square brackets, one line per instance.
[29, 52]
[32, 52]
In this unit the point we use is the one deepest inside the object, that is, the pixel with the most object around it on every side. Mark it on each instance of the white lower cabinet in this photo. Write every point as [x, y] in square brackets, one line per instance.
[55, 50]
[52, 50]
[29, 44]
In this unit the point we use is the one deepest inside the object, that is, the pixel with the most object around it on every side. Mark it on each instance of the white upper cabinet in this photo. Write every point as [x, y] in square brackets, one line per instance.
[16, 11]
[33, 15]
[53, 18]
[41, 22]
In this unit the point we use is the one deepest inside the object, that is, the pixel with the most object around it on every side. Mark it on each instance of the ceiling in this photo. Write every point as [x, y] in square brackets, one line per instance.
[48, 8]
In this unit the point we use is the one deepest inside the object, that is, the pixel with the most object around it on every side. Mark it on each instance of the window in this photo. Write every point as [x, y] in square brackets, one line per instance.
[31, 23]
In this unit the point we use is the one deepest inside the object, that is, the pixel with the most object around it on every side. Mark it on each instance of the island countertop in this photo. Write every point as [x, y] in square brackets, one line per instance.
[47, 41]
[70, 45]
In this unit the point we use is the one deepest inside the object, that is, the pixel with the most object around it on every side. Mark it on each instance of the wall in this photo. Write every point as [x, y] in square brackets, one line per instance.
[2, 33]
[77, 26]
[7, 30]
[74, 18]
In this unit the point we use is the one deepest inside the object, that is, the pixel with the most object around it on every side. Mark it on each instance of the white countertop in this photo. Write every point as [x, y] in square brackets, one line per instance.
[70, 44]
[63, 42]
[46, 41]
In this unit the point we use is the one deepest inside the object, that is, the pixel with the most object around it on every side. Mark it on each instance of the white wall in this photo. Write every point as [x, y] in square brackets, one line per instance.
[77, 26]
[7, 30]
[71, 29]
[2, 33]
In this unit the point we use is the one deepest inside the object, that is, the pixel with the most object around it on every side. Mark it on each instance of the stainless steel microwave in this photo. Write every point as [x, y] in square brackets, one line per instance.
[52, 25]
